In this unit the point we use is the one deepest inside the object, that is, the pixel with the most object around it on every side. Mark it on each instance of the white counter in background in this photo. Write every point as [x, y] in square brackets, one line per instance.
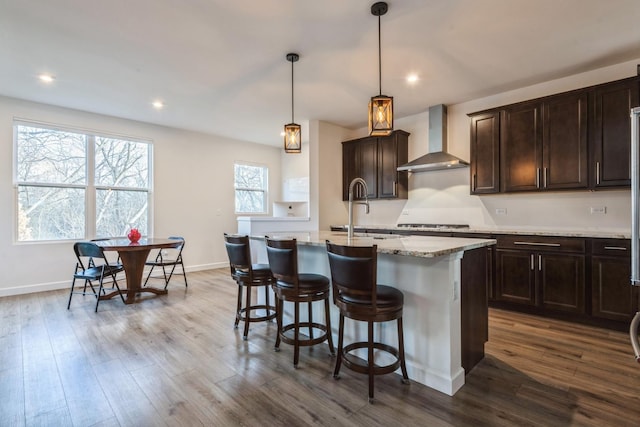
[261, 225]
[428, 271]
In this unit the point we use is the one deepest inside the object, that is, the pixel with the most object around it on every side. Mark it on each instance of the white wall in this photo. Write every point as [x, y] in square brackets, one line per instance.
[295, 175]
[443, 196]
[326, 166]
[193, 193]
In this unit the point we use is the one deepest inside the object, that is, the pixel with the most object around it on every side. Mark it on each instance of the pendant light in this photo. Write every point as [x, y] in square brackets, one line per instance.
[380, 106]
[292, 131]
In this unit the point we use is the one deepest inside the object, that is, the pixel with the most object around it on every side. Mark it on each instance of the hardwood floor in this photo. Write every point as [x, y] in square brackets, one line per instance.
[176, 360]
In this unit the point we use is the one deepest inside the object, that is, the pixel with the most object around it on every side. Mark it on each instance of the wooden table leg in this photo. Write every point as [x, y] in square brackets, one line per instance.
[133, 263]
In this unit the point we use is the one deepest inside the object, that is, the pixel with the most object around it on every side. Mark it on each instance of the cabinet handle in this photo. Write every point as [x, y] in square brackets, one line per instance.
[539, 262]
[475, 182]
[597, 173]
[538, 178]
[615, 248]
[553, 245]
[395, 185]
[544, 177]
[532, 266]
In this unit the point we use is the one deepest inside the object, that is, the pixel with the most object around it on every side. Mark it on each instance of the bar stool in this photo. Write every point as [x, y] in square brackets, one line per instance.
[289, 285]
[247, 276]
[359, 297]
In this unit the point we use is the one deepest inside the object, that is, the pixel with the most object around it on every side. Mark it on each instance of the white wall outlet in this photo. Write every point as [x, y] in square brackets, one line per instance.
[405, 212]
[501, 211]
[598, 210]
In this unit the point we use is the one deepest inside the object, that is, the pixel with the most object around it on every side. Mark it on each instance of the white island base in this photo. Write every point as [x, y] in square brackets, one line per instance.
[428, 272]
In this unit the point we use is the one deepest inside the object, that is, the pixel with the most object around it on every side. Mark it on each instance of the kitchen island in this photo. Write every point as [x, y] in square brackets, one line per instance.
[445, 307]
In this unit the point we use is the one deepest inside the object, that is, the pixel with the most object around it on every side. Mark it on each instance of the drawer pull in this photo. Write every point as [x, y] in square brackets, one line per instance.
[615, 248]
[532, 266]
[552, 245]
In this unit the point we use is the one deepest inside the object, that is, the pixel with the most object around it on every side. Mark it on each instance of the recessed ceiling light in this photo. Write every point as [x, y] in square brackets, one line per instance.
[412, 78]
[158, 105]
[47, 78]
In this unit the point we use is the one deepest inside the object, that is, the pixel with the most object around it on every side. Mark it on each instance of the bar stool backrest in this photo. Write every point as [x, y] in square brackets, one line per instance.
[283, 261]
[353, 273]
[239, 252]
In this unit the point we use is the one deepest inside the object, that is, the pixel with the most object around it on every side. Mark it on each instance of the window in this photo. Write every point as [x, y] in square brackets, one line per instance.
[75, 185]
[251, 188]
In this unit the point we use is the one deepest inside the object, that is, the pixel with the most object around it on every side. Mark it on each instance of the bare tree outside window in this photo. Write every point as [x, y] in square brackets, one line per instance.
[251, 188]
[52, 175]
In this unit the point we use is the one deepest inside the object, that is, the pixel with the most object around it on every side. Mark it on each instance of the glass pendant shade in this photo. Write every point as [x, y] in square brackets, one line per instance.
[292, 138]
[381, 115]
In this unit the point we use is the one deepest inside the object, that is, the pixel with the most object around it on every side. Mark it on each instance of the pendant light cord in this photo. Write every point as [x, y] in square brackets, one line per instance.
[379, 58]
[292, 120]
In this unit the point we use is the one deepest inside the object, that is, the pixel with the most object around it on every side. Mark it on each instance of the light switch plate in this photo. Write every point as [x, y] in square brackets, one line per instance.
[598, 210]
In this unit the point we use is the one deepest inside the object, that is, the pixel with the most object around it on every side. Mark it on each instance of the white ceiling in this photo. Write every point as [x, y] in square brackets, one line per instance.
[220, 67]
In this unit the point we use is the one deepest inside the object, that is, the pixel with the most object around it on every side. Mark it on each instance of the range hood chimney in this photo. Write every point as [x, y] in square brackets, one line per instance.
[438, 158]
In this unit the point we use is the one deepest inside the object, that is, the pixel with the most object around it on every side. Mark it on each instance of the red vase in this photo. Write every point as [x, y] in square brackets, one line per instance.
[134, 235]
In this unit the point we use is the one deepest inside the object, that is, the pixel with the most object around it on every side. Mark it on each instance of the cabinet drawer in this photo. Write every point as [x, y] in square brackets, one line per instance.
[611, 247]
[540, 243]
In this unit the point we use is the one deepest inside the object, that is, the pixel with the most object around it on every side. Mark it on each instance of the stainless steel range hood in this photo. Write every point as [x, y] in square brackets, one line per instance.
[438, 158]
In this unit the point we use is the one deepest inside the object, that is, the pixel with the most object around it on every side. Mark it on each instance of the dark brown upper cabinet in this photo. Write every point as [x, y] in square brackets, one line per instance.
[485, 153]
[375, 159]
[610, 136]
[575, 140]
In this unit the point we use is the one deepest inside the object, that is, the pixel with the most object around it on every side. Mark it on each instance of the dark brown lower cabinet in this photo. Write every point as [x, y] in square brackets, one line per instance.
[612, 295]
[541, 272]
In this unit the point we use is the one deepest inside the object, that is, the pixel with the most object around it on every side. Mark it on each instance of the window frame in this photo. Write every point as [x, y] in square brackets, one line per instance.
[264, 190]
[90, 188]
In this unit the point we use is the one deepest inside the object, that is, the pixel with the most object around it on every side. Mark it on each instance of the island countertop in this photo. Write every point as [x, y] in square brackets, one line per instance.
[414, 246]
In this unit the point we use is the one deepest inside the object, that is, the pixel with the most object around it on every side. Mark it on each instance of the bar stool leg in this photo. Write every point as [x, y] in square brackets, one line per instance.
[310, 320]
[327, 315]
[247, 314]
[296, 329]
[403, 365]
[238, 312]
[279, 310]
[370, 359]
[336, 371]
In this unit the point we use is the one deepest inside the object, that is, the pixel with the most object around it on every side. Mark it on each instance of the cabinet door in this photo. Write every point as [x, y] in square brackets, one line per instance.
[349, 170]
[613, 296]
[387, 165]
[564, 146]
[610, 137]
[562, 282]
[521, 147]
[392, 152]
[359, 159]
[515, 277]
[367, 167]
[485, 153]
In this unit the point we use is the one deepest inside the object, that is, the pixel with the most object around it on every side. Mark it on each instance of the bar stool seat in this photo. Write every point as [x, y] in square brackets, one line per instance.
[289, 285]
[248, 275]
[359, 297]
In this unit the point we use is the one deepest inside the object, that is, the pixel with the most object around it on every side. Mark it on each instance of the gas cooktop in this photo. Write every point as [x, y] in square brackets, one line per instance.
[437, 226]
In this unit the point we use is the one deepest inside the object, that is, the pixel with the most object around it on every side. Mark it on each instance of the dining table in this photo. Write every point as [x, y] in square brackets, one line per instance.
[133, 256]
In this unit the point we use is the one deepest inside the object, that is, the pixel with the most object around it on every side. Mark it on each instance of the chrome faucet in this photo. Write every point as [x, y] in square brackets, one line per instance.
[352, 185]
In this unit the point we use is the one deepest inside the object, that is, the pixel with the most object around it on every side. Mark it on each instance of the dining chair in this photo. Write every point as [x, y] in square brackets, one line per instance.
[92, 265]
[359, 297]
[165, 259]
[298, 288]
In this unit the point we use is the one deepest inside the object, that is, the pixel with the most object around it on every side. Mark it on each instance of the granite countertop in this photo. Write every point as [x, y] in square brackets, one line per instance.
[415, 246]
[530, 231]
